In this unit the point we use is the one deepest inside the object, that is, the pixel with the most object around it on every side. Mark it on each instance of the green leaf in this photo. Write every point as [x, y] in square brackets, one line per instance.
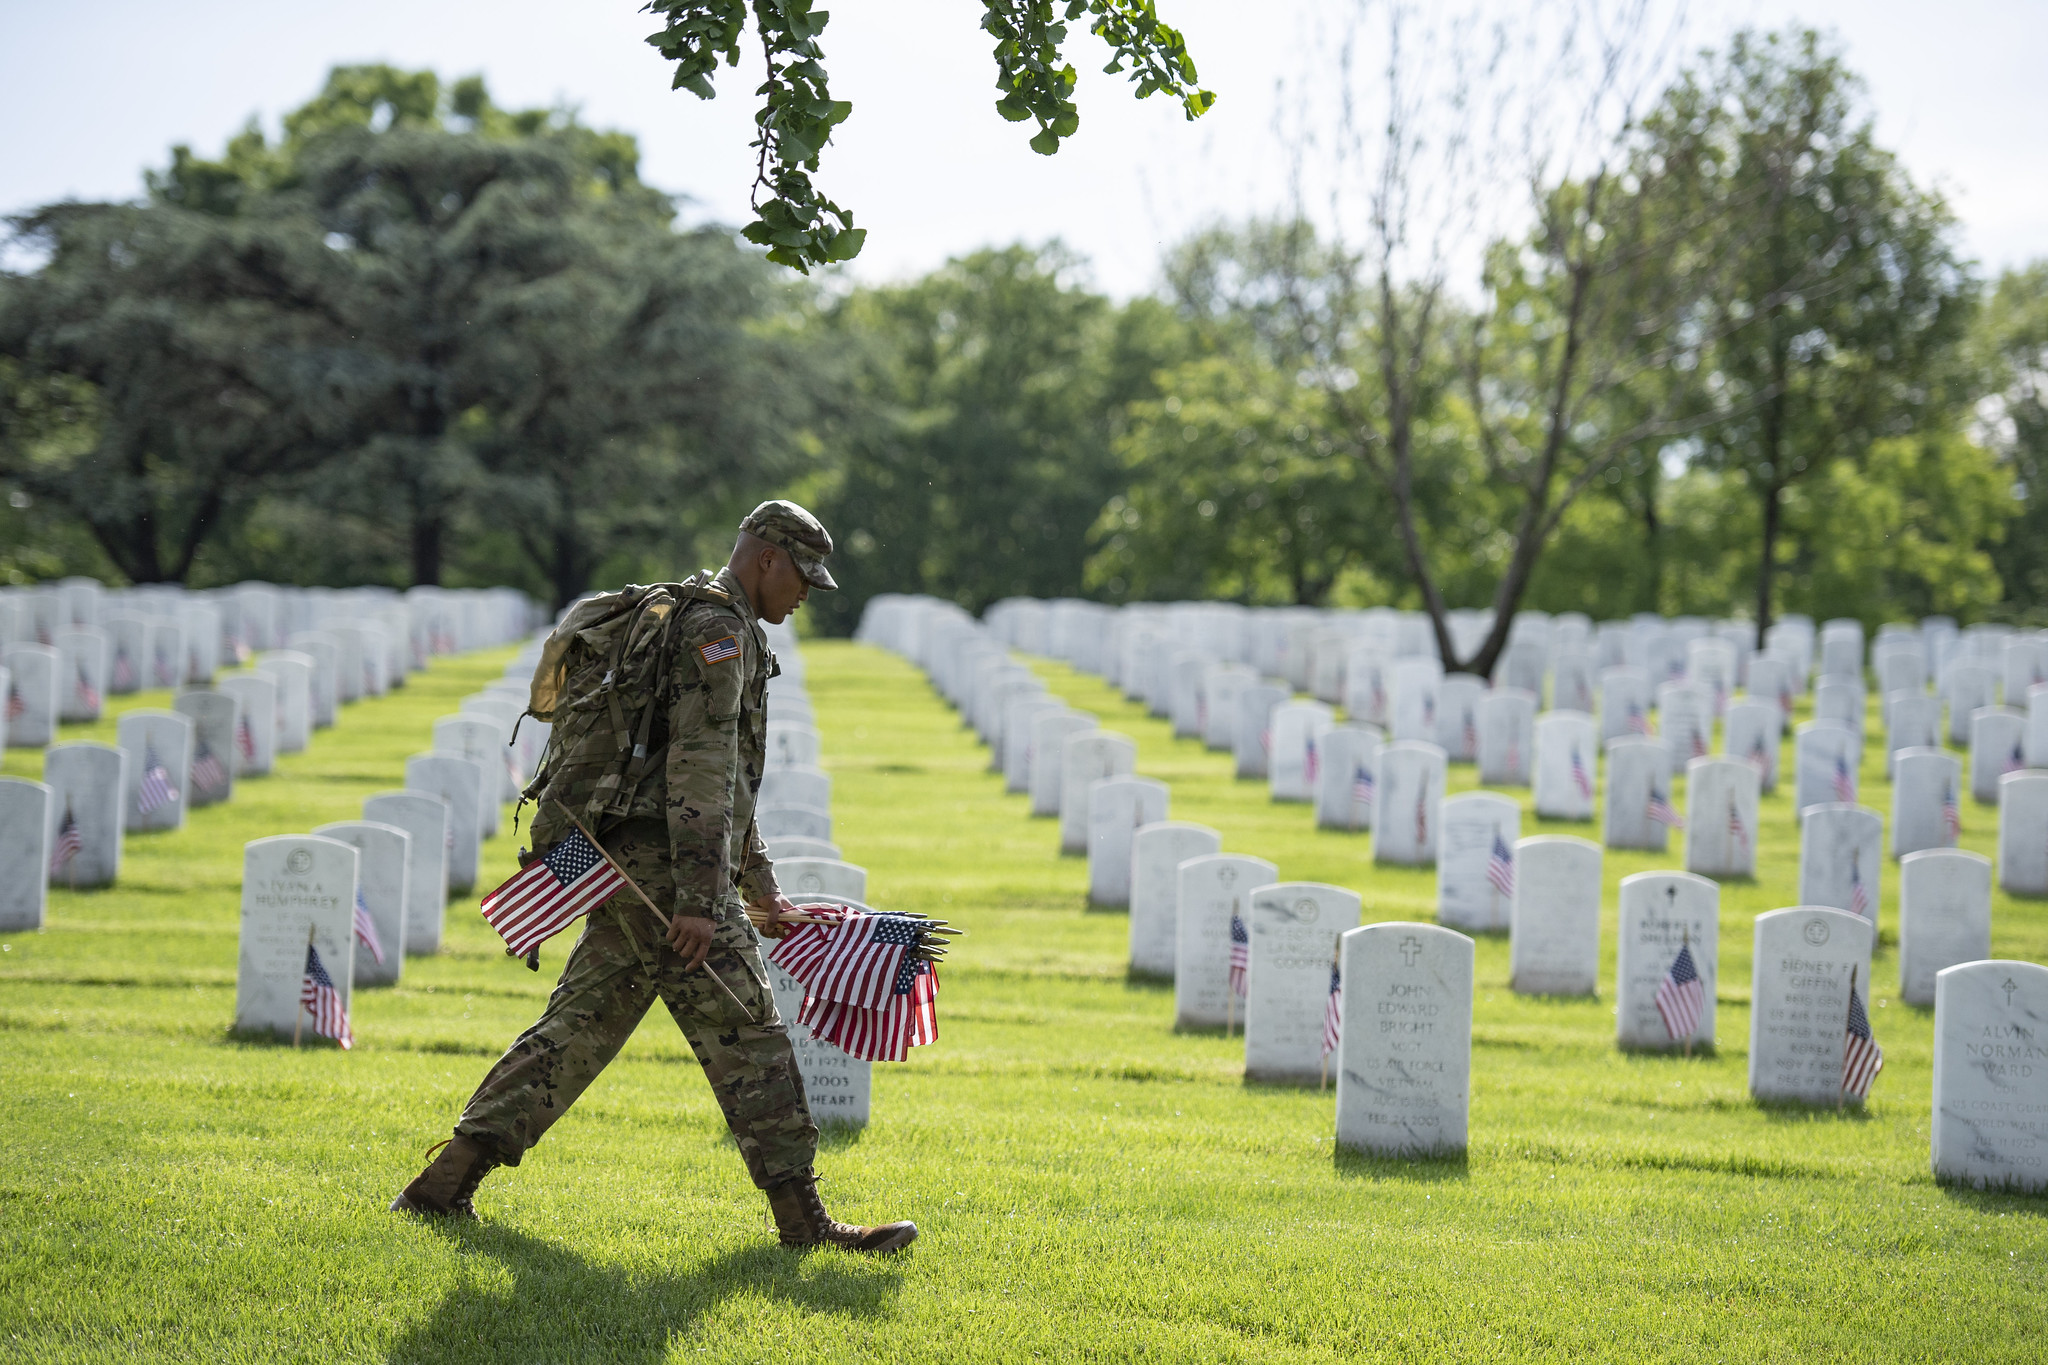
[846, 245]
[1013, 109]
[1046, 143]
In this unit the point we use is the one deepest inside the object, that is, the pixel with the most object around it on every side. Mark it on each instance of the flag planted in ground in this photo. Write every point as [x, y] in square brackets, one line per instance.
[1682, 996]
[70, 843]
[1845, 781]
[1500, 867]
[88, 695]
[571, 879]
[1660, 810]
[208, 774]
[1862, 1058]
[366, 929]
[245, 739]
[1240, 955]
[1333, 1012]
[320, 998]
[155, 789]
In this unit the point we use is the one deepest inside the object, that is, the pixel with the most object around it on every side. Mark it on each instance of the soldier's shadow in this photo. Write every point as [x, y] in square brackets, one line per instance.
[524, 1298]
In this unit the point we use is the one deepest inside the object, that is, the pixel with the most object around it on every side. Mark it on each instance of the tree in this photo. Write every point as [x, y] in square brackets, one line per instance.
[2009, 351]
[801, 227]
[1842, 299]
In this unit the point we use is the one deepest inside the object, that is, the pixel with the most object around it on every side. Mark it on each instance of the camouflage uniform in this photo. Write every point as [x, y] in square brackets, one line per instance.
[690, 844]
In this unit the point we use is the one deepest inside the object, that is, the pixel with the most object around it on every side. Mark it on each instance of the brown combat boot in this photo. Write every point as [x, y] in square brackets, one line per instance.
[443, 1190]
[801, 1219]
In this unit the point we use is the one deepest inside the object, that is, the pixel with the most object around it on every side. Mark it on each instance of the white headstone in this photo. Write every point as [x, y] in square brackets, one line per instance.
[1365, 685]
[82, 676]
[459, 781]
[1710, 666]
[1997, 747]
[1404, 1057]
[1841, 856]
[1685, 716]
[1086, 757]
[1571, 681]
[787, 847]
[1927, 794]
[793, 822]
[381, 881]
[796, 787]
[1720, 818]
[1969, 687]
[1625, 702]
[1412, 699]
[1046, 770]
[1826, 759]
[1507, 737]
[2023, 833]
[1406, 794]
[253, 749]
[1639, 812]
[1018, 727]
[423, 816]
[483, 739]
[1567, 766]
[1475, 863]
[791, 746]
[1457, 716]
[1251, 731]
[1662, 913]
[1211, 890]
[215, 718]
[325, 688]
[27, 828]
[295, 888]
[829, 877]
[1754, 732]
[1345, 776]
[31, 696]
[159, 749]
[293, 674]
[1554, 935]
[1990, 1062]
[1294, 928]
[1771, 680]
[1157, 851]
[1297, 729]
[1944, 916]
[88, 785]
[1799, 1001]
[1117, 808]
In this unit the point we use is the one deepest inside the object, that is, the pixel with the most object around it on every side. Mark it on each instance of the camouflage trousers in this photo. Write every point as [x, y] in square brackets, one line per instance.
[617, 968]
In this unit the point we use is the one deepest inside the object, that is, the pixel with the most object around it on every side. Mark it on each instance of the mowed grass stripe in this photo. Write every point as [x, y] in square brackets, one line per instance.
[1091, 1185]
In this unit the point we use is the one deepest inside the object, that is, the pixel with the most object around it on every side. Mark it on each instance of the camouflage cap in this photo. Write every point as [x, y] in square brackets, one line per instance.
[789, 526]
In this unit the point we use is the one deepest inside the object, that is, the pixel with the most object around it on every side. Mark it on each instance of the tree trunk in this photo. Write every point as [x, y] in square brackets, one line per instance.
[1767, 562]
[1652, 596]
[427, 530]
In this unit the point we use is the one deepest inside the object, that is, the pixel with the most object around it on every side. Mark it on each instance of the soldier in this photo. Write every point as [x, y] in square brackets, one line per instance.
[688, 840]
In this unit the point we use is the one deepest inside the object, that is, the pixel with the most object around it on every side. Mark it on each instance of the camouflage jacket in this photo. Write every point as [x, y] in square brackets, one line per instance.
[715, 703]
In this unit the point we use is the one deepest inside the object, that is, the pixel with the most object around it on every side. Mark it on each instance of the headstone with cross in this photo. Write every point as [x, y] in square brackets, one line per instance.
[1990, 1121]
[1662, 914]
[1404, 1054]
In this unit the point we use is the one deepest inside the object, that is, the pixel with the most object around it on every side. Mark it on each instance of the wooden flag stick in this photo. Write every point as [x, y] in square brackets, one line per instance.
[1686, 940]
[299, 1019]
[664, 919]
[1841, 1103]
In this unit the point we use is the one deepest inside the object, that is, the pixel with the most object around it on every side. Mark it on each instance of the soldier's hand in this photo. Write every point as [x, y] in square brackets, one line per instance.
[780, 905]
[691, 937]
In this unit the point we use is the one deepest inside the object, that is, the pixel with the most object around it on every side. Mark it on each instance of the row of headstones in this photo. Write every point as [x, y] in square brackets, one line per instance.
[411, 850]
[1404, 1049]
[69, 828]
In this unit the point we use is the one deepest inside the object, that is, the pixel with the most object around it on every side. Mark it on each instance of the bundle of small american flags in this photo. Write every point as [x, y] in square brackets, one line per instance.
[869, 984]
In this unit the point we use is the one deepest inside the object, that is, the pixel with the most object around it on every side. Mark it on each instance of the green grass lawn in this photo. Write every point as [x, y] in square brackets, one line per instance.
[1090, 1184]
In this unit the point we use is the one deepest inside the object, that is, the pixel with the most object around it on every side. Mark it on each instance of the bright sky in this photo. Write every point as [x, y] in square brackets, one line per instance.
[91, 94]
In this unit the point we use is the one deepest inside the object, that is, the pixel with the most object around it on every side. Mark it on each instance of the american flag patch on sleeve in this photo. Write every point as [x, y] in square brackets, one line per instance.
[718, 651]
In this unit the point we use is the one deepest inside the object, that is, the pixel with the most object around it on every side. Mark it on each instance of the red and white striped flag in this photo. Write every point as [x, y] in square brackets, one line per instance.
[1951, 813]
[1333, 1012]
[88, 695]
[1845, 781]
[1862, 1058]
[1859, 895]
[319, 998]
[70, 843]
[1682, 997]
[366, 929]
[1736, 830]
[245, 739]
[865, 989]
[124, 672]
[17, 705]
[1638, 723]
[1500, 867]
[1581, 779]
[155, 789]
[207, 772]
[1661, 812]
[571, 879]
[1240, 956]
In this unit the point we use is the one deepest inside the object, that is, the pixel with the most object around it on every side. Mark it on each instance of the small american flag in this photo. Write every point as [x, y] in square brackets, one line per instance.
[366, 929]
[155, 789]
[1429, 711]
[2016, 760]
[1759, 759]
[1422, 815]
[1312, 762]
[319, 998]
[1266, 741]
[718, 651]
[1859, 894]
[70, 843]
[1581, 779]
[1951, 813]
[1379, 697]
[1845, 781]
[245, 739]
[1699, 740]
[1471, 734]
[17, 705]
[1333, 1012]
[1514, 759]
[1638, 723]
[88, 695]
[1862, 1058]
[570, 879]
[1240, 955]
[166, 671]
[207, 773]
[1500, 867]
[124, 671]
[1682, 997]
[1736, 830]
[1660, 810]
[1361, 786]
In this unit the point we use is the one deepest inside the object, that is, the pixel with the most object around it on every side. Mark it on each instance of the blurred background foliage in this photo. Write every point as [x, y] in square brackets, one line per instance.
[421, 338]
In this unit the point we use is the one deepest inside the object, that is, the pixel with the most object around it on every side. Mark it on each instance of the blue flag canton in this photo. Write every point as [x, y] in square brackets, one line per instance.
[900, 931]
[571, 858]
[1336, 979]
[1238, 934]
[317, 969]
[1683, 969]
[1859, 1022]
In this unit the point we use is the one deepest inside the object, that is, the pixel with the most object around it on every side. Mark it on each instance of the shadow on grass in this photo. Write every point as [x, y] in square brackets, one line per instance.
[1995, 1199]
[1149, 983]
[1787, 1112]
[552, 1304]
[1426, 1169]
